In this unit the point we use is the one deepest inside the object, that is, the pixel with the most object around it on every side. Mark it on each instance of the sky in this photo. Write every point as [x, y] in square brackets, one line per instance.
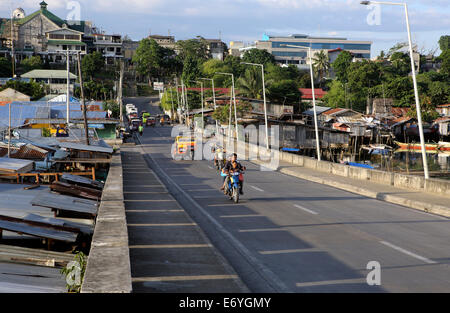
[248, 20]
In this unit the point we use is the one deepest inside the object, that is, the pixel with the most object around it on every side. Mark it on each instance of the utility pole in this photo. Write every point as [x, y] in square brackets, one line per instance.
[9, 132]
[83, 104]
[13, 59]
[120, 91]
[68, 90]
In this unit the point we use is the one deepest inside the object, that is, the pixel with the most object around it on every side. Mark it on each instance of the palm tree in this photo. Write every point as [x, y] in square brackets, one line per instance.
[250, 84]
[321, 63]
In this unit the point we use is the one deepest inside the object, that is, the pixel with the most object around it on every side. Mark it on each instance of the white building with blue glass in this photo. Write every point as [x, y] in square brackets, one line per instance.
[281, 47]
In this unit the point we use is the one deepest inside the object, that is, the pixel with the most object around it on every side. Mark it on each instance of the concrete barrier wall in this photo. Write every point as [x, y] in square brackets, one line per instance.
[437, 186]
[409, 181]
[381, 177]
[433, 186]
[339, 169]
[108, 265]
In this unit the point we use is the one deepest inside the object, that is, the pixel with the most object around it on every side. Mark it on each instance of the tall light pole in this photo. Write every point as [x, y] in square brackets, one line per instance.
[264, 97]
[416, 91]
[13, 59]
[234, 100]
[201, 91]
[68, 90]
[313, 95]
[214, 99]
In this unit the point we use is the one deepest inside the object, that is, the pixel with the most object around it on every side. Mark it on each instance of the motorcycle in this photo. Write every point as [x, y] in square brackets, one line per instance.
[232, 188]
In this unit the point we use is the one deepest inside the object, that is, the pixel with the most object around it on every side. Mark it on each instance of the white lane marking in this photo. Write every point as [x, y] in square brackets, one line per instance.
[332, 282]
[290, 251]
[239, 216]
[256, 188]
[408, 252]
[305, 209]
[210, 167]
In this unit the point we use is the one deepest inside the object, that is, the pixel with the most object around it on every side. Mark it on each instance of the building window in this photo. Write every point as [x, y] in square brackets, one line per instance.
[55, 36]
[64, 47]
[73, 37]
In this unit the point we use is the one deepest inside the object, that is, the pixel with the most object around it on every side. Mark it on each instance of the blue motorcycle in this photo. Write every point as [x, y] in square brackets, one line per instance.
[232, 188]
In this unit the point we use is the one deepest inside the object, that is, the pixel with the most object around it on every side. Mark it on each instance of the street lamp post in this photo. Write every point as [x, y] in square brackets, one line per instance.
[214, 99]
[233, 97]
[416, 92]
[201, 92]
[264, 97]
[313, 95]
[68, 90]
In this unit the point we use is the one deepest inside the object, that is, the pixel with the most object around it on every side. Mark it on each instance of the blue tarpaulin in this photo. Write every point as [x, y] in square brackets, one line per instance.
[360, 165]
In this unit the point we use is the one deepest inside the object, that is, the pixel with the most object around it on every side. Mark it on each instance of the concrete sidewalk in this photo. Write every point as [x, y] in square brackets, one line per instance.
[422, 201]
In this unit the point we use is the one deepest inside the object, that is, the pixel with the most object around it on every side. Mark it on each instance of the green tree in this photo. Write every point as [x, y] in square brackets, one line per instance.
[33, 89]
[113, 106]
[149, 58]
[335, 97]
[362, 77]
[5, 67]
[197, 47]
[277, 73]
[401, 63]
[32, 63]
[92, 64]
[321, 63]
[401, 90]
[284, 92]
[169, 98]
[445, 59]
[250, 84]
[428, 110]
[444, 43]
[341, 65]
[258, 56]
[439, 92]
[191, 70]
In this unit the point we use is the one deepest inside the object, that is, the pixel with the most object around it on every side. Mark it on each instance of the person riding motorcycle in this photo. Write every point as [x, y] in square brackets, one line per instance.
[233, 165]
[219, 159]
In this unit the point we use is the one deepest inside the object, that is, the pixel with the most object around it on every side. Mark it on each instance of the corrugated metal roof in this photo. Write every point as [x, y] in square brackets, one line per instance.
[77, 146]
[19, 114]
[23, 227]
[319, 110]
[59, 74]
[82, 180]
[20, 278]
[65, 203]
[15, 165]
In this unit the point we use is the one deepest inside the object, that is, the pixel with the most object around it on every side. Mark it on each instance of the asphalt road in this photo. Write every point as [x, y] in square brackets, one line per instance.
[292, 235]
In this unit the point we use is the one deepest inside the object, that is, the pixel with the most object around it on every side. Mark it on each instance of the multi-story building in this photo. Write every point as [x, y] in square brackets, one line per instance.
[45, 34]
[42, 33]
[217, 48]
[280, 47]
[164, 41]
[110, 46]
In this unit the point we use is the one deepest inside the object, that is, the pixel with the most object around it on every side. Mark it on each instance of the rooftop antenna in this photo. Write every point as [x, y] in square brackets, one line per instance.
[220, 35]
[169, 32]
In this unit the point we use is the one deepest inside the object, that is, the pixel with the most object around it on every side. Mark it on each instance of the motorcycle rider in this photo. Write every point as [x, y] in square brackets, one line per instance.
[233, 165]
[219, 153]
